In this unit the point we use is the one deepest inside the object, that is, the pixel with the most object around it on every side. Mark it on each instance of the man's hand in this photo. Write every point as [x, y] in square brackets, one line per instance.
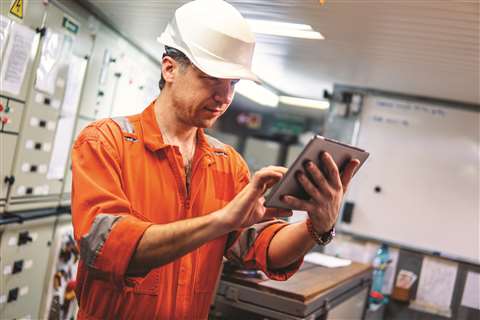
[326, 190]
[247, 207]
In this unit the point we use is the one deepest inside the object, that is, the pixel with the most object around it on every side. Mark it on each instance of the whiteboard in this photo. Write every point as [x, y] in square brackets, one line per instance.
[424, 163]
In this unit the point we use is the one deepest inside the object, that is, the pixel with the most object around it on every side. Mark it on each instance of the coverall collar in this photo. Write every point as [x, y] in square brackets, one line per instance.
[153, 137]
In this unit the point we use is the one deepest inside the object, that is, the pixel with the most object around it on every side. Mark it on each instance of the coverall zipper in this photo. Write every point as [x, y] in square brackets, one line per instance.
[189, 178]
[187, 195]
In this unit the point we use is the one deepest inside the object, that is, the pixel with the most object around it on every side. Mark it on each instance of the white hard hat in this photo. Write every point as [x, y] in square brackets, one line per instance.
[215, 37]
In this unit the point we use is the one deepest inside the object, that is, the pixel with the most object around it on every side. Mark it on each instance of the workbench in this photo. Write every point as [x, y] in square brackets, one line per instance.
[314, 292]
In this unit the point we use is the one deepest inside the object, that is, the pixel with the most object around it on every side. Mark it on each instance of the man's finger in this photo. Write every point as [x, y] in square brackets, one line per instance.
[261, 200]
[280, 169]
[319, 180]
[266, 179]
[348, 173]
[297, 204]
[331, 170]
[309, 186]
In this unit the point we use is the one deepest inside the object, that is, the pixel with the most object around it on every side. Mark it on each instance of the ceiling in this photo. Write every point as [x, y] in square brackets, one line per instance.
[426, 47]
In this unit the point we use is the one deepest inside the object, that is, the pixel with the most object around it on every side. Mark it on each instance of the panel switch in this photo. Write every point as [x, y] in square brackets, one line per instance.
[12, 295]
[17, 266]
[24, 238]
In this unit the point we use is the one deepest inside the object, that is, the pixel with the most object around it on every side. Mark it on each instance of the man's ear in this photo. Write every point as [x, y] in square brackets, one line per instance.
[169, 68]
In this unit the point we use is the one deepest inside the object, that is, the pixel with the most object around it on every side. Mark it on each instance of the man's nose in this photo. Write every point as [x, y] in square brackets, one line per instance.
[224, 92]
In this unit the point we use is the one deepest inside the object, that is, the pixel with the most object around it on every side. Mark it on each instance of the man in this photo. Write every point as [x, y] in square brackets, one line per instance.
[157, 203]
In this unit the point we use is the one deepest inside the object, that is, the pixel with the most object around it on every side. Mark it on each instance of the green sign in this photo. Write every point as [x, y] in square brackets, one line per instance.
[288, 126]
[70, 25]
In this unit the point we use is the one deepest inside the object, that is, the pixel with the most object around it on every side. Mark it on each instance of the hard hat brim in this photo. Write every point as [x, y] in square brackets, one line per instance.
[213, 67]
[225, 70]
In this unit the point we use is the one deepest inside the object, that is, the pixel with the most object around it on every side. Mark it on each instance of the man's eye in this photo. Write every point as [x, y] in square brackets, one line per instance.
[234, 82]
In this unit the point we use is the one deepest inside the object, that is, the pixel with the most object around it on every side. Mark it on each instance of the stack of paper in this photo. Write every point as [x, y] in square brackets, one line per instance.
[326, 261]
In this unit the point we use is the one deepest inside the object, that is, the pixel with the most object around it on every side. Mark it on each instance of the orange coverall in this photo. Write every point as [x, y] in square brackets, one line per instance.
[125, 178]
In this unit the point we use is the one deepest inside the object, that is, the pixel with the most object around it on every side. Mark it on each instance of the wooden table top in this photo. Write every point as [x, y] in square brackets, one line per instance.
[310, 281]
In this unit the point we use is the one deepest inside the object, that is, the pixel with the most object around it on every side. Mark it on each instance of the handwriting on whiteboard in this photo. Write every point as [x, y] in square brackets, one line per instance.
[413, 107]
[392, 121]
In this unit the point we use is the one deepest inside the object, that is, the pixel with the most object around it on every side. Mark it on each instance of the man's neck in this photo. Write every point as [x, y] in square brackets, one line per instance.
[177, 132]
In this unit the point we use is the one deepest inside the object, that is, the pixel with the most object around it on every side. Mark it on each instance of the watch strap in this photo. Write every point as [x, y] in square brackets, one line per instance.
[321, 239]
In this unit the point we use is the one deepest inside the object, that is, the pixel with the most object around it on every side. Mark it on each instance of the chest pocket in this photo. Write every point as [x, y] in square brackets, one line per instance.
[224, 185]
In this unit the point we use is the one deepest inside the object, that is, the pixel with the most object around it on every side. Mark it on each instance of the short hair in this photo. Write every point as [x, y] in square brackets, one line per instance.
[176, 55]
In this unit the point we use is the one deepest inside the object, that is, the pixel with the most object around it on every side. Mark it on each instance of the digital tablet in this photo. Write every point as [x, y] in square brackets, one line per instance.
[289, 185]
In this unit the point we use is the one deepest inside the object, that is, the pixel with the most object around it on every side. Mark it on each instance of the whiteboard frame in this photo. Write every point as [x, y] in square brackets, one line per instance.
[339, 88]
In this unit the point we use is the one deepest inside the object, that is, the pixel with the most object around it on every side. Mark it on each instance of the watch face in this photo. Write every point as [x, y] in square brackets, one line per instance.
[328, 236]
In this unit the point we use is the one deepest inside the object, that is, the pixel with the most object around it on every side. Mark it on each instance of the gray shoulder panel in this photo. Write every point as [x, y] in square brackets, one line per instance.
[215, 143]
[124, 124]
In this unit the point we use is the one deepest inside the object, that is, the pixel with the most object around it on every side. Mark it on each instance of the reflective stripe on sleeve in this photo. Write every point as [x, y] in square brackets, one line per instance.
[93, 241]
[245, 241]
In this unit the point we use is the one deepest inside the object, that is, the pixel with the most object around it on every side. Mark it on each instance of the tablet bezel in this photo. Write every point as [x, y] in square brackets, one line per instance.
[289, 185]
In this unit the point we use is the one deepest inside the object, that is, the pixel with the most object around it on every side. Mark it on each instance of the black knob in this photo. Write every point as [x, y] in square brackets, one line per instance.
[17, 266]
[12, 295]
[9, 180]
[378, 189]
[24, 237]
[41, 31]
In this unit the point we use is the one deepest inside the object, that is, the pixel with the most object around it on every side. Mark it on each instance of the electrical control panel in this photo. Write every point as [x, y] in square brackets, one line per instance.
[40, 159]
[25, 251]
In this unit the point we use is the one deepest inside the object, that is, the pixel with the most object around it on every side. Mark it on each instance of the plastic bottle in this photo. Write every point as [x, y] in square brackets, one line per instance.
[380, 263]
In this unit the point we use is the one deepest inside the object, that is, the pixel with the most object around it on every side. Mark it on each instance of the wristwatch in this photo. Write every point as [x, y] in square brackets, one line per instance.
[321, 239]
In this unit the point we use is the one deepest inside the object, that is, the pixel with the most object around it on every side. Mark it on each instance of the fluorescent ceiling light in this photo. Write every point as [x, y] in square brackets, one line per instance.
[285, 29]
[254, 23]
[306, 103]
[257, 93]
[263, 96]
